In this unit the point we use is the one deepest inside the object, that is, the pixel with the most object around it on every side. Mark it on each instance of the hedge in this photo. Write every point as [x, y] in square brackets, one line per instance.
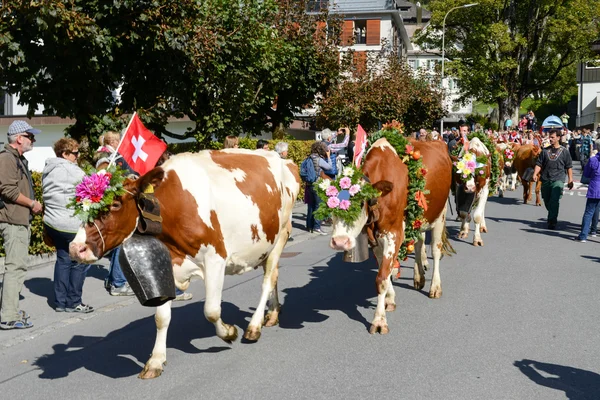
[298, 150]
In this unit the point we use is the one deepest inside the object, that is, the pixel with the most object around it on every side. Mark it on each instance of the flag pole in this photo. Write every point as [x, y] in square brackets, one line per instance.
[114, 155]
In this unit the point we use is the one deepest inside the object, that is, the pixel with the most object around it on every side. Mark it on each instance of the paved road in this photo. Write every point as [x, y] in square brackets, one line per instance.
[518, 319]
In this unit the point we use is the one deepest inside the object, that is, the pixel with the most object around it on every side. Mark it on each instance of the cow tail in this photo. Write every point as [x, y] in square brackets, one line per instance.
[447, 248]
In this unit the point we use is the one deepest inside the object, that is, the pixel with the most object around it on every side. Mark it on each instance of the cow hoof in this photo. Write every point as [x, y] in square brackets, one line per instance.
[272, 318]
[462, 235]
[478, 243]
[419, 284]
[483, 229]
[252, 334]
[380, 326]
[425, 266]
[151, 371]
[435, 293]
[538, 204]
[390, 307]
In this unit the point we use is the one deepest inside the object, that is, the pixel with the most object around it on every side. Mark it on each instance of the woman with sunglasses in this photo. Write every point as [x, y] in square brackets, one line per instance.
[59, 178]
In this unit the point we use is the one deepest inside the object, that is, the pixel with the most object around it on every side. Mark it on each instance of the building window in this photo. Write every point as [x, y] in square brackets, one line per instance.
[317, 5]
[360, 32]
[411, 64]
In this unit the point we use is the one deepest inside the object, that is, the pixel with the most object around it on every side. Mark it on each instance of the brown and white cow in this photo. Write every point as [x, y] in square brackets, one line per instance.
[471, 196]
[389, 175]
[224, 213]
[508, 169]
[525, 158]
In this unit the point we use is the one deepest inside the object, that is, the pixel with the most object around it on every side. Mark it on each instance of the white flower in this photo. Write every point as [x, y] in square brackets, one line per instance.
[324, 184]
[101, 172]
[85, 204]
[348, 171]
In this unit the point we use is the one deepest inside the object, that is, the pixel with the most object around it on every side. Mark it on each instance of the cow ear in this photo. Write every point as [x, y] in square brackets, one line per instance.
[152, 178]
[384, 187]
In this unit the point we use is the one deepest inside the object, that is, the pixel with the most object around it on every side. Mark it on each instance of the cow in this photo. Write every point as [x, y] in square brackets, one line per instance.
[388, 174]
[525, 158]
[508, 169]
[224, 213]
[471, 196]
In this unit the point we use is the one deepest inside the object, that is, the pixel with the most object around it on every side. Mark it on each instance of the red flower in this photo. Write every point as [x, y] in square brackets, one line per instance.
[423, 171]
[96, 199]
[78, 199]
[409, 149]
[417, 224]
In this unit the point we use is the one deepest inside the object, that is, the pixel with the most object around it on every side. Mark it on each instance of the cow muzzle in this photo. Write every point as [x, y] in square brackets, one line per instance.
[79, 250]
[342, 243]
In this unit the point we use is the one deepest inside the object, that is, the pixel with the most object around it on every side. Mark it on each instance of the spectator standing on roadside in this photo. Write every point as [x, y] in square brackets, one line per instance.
[586, 147]
[282, 149]
[59, 178]
[262, 144]
[231, 142]
[321, 159]
[16, 213]
[589, 222]
[329, 137]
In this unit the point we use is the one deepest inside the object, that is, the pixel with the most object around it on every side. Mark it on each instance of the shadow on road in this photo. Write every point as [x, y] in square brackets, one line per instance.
[506, 200]
[540, 225]
[577, 384]
[43, 287]
[592, 258]
[339, 286]
[123, 352]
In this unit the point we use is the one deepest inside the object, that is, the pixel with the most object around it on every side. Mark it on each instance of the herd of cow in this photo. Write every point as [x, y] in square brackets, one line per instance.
[228, 212]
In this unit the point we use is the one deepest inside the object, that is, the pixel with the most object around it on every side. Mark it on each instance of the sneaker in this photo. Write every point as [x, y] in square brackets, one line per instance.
[593, 234]
[81, 308]
[184, 297]
[124, 290]
[319, 231]
[60, 309]
[579, 240]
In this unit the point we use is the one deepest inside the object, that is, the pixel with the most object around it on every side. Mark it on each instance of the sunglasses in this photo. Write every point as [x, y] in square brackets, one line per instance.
[30, 137]
[75, 153]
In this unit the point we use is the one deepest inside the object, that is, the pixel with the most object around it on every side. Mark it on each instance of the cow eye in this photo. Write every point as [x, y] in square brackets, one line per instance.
[116, 205]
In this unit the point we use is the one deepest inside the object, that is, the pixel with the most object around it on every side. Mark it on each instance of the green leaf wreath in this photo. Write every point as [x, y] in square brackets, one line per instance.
[96, 192]
[345, 196]
[494, 157]
[417, 204]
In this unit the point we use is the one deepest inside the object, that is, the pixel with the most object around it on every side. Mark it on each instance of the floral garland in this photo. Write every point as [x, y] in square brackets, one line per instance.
[508, 154]
[96, 192]
[470, 166]
[417, 203]
[345, 196]
[494, 156]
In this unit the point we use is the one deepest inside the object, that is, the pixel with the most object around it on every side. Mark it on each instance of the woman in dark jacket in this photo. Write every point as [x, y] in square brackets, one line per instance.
[589, 224]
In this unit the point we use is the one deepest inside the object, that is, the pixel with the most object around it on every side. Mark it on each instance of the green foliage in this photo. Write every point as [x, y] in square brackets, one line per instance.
[36, 244]
[230, 69]
[389, 90]
[344, 197]
[414, 212]
[504, 51]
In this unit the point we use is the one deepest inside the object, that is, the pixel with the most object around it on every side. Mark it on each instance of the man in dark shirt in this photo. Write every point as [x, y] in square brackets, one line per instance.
[552, 163]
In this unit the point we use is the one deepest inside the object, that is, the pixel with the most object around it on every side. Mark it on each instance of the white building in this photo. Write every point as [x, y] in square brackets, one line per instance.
[588, 96]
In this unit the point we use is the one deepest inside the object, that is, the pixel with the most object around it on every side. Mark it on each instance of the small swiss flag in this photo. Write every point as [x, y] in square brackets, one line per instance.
[140, 148]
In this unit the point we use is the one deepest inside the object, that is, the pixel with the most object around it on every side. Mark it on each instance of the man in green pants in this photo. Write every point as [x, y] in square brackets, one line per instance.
[16, 211]
[553, 162]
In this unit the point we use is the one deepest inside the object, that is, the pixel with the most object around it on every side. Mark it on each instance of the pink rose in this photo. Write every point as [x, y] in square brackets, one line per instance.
[344, 204]
[471, 165]
[333, 202]
[331, 191]
[354, 189]
[345, 182]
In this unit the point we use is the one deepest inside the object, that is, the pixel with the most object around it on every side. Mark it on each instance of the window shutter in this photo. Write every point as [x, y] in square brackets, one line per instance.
[360, 63]
[321, 30]
[348, 33]
[373, 32]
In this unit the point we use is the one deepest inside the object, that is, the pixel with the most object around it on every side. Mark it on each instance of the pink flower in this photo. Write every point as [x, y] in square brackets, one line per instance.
[481, 172]
[345, 182]
[344, 204]
[92, 187]
[333, 202]
[408, 148]
[331, 191]
[471, 165]
[354, 189]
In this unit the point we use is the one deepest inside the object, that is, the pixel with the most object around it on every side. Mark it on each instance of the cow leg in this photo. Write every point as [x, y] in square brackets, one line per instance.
[386, 296]
[420, 261]
[530, 190]
[483, 227]
[154, 366]
[464, 226]
[437, 232]
[538, 188]
[269, 285]
[478, 215]
[513, 182]
[215, 275]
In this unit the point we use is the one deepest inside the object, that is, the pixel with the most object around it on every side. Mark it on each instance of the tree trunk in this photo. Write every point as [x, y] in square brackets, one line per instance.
[279, 132]
[507, 109]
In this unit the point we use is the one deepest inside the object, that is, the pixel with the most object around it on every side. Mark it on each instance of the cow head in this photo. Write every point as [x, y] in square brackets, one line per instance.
[112, 227]
[343, 236]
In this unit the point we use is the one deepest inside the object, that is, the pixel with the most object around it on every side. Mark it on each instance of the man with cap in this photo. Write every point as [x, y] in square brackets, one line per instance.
[17, 207]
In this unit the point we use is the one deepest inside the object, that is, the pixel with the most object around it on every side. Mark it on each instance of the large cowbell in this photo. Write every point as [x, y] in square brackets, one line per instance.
[360, 252]
[146, 263]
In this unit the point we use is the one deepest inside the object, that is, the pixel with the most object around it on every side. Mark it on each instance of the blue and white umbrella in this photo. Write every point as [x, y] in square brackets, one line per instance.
[552, 122]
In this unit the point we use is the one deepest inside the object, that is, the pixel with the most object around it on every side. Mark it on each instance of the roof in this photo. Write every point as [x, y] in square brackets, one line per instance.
[408, 11]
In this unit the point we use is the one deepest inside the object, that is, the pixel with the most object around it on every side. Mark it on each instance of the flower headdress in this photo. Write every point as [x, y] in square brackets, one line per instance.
[96, 192]
[470, 166]
[509, 154]
[344, 197]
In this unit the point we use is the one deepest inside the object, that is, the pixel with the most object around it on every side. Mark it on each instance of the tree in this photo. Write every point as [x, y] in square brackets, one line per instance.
[221, 63]
[503, 51]
[388, 90]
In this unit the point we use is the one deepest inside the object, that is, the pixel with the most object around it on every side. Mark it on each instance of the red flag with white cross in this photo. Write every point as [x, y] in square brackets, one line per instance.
[139, 147]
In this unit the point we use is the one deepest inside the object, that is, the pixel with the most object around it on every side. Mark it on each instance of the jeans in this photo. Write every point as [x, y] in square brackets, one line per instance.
[115, 273]
[16, 247]
[313, 203]
[68, 274]
[589, 223]
[552, 191]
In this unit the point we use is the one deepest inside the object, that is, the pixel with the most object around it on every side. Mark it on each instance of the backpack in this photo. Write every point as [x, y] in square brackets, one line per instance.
[307, 170]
